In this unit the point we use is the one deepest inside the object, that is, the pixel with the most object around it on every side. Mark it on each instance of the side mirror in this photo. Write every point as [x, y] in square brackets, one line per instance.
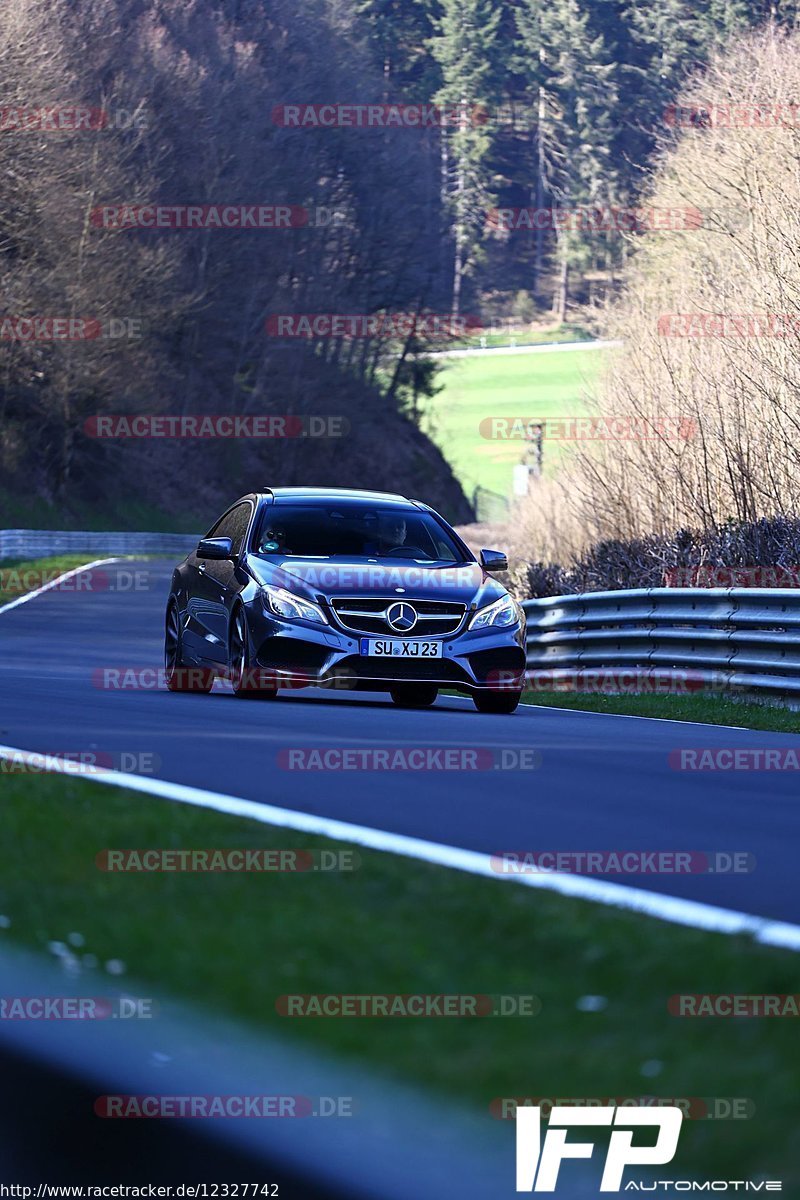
[493, 560]
[217, 548]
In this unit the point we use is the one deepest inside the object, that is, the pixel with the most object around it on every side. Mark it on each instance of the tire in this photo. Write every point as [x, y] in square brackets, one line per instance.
[414, 695]
[181, 678]
[247, 681]
[497, 702]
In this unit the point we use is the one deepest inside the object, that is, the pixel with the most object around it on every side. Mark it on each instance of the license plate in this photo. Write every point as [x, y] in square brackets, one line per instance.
[391, 648]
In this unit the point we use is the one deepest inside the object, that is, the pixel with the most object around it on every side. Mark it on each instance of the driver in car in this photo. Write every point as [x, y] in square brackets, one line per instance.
[393, 531]
[274, 542]
[391, 534]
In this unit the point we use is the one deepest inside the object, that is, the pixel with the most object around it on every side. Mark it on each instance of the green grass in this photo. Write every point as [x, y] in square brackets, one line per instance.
[18, 575]
[234, 943]
[525, 385]
[33, 512]
[713, 710]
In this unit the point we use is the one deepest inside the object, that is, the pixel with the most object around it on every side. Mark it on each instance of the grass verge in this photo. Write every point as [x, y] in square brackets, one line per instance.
[711, 710]
[236, 942]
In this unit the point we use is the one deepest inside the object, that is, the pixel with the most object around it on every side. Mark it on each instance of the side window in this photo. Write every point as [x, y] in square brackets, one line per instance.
[241, 519]
[233, 525]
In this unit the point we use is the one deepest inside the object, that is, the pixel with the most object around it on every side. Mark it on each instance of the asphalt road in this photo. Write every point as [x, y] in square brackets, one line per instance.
[604, 783]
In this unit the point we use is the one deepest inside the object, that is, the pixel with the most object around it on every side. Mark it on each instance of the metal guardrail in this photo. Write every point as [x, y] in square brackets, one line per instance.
[40, 543]
[726, 637]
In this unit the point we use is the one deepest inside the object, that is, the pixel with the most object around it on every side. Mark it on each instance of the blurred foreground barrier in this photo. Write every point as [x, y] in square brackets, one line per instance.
[397, 1143]
[40, 543]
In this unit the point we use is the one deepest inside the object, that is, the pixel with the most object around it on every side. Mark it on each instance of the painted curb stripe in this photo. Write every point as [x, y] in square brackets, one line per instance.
[98, 562]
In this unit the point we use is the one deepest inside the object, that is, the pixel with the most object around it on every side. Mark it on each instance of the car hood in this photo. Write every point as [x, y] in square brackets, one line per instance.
[464, 582]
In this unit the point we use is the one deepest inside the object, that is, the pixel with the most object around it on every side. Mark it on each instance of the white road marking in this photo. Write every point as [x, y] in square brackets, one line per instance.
[593, 712]
[615, 895]
[98, 562]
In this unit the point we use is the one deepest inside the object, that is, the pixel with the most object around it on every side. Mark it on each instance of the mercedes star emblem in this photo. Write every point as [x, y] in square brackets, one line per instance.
[402, 616]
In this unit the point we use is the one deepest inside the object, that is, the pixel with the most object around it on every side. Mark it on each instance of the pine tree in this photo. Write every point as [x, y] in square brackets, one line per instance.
[465, 47]
[575, 81]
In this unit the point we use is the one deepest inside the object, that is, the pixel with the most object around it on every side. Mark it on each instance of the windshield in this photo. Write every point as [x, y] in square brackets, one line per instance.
[351, 531]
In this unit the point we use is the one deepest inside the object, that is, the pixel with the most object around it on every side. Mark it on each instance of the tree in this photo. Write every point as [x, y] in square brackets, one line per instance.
[575, 82]
[465, 47]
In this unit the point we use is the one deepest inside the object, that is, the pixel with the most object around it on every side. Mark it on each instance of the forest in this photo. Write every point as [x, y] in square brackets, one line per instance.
[478, 109]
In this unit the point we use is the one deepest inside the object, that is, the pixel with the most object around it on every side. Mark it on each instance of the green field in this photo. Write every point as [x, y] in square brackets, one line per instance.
[524, 385]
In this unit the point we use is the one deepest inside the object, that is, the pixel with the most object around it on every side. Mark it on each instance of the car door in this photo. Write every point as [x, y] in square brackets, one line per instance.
[217, 582]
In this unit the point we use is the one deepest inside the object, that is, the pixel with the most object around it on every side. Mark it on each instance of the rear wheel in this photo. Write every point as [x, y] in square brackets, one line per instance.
[414, 695]
[179, 677]
[496, 702]
[249, 683]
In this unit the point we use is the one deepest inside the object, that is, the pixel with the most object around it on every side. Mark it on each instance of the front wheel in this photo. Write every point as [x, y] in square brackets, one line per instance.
[414, 695]
[248, 683]
[180, 678]
[497, 702]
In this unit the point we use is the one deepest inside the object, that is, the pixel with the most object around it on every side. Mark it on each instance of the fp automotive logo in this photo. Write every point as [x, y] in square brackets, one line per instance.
[541, 1163]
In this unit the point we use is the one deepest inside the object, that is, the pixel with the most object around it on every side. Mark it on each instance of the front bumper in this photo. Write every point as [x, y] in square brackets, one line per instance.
[299, 654]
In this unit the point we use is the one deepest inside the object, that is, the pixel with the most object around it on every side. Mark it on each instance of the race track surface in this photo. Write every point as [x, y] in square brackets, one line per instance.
[604, 783]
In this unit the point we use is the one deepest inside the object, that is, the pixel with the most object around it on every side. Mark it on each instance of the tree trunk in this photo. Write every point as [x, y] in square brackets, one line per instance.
[562, 291]
[540, 167]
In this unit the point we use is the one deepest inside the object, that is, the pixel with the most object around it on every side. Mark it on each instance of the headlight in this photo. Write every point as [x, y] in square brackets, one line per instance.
[502, 614]
[290, 607]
